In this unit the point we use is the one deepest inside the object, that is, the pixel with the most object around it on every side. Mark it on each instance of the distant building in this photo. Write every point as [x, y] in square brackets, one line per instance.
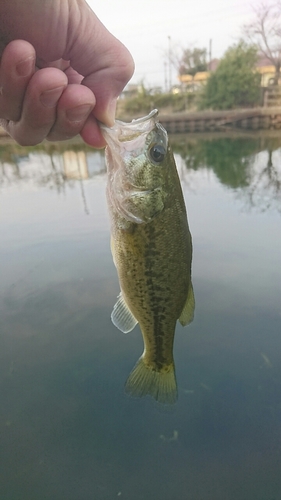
[266, 70]
[213, 64]
[75, 165]
[193, 83]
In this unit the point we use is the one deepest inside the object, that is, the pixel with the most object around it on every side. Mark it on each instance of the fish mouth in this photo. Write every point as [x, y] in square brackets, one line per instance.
[152, 114]
[128, 131]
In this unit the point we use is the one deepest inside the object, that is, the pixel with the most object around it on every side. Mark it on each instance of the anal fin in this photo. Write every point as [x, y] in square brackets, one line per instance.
[187, 313]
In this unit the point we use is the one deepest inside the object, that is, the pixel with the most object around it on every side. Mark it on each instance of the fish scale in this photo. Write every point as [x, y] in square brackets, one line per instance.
[152, 249]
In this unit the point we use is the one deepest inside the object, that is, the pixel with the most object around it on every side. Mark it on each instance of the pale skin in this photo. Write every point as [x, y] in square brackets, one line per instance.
[61, 71]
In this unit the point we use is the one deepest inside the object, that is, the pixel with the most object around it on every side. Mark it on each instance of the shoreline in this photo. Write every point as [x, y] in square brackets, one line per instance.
[197, 123]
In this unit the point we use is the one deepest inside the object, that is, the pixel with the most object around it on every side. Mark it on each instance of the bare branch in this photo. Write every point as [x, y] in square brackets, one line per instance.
[265, 32]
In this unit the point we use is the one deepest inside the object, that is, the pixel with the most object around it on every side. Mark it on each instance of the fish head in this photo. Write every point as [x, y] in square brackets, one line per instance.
[138, 159]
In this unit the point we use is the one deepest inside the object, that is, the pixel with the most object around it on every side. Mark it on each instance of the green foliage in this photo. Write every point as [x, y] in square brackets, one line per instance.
[193, 61]
[235, 82]
[228, 158]
[144, 102]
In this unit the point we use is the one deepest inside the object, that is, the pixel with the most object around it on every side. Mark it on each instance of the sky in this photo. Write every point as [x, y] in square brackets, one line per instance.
[145, 26]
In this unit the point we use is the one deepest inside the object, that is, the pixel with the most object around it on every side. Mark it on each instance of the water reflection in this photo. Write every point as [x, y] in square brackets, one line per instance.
[249, 165]
[66, 428]
[52, 166]
[265, 181]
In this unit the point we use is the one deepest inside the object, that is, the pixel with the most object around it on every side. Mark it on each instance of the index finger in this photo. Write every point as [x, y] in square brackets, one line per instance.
[104, 61]
[16, 68]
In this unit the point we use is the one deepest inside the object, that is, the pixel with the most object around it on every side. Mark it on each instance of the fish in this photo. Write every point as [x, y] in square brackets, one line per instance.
[151, 247]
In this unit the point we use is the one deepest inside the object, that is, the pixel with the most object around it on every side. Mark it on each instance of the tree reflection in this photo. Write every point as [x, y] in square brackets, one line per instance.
[265, 187]
[251, 165]
[49, 165]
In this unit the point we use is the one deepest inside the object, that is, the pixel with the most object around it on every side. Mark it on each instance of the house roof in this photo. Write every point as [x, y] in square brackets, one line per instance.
[185, 78]
[213, 64]
[201, 76]
[265, 69]
[263, 61]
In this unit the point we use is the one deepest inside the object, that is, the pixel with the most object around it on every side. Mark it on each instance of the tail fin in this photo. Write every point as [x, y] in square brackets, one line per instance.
[161, 385]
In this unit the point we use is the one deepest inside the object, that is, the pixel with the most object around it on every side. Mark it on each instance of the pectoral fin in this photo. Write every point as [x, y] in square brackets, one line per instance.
[143, 206]
[188, 311]
[122, 317]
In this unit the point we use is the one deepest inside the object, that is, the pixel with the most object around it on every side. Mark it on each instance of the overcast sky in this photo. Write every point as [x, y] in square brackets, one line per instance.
[145, 25]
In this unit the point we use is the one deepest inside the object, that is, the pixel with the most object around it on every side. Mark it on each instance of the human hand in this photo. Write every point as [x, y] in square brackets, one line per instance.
[61, 71]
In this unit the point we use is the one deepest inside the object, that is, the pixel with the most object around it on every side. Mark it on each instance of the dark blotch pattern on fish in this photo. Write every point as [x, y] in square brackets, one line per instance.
[152, 248]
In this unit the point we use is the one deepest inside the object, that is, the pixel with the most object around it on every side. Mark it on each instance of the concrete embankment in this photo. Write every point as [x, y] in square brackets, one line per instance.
[267, 118]
[209, 121]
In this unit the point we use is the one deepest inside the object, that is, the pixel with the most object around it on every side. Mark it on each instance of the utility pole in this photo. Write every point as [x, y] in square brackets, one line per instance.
[169, 65]
[210, 53]
[165, 77]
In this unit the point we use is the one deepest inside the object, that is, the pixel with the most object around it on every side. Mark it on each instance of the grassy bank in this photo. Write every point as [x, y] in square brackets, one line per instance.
[143, 103]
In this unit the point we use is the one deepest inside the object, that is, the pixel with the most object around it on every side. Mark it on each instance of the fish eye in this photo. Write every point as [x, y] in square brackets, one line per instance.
[157, 153]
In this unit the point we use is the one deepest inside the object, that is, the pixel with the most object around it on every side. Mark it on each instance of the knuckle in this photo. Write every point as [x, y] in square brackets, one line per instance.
[24, 136]
[65, 131]
[60, 136]
[26, 141]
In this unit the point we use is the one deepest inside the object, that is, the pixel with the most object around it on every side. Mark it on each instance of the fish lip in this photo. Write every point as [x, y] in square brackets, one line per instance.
[127, 131]
[136, 121]
[152, 114]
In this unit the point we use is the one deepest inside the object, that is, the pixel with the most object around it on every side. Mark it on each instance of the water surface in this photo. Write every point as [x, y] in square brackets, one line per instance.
[67, 430]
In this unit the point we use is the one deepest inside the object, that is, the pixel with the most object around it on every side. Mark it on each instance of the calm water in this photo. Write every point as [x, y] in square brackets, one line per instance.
[67, 430]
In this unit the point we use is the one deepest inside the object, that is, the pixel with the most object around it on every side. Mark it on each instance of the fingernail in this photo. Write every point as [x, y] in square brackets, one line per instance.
[49, 98]
[79, 113]
[25, 67]
[109, 114]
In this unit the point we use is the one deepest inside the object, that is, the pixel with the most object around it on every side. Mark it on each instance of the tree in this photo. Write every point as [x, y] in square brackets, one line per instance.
[235, 83]
[265, 32]
[192, 61]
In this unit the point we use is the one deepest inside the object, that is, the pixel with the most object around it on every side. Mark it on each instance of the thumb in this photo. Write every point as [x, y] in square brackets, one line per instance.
[103, 60]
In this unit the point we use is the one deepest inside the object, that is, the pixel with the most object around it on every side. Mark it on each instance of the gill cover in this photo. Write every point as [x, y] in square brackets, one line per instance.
[135, 157]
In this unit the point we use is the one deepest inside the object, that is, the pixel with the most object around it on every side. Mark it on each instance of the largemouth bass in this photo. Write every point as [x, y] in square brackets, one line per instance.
[151, 247]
